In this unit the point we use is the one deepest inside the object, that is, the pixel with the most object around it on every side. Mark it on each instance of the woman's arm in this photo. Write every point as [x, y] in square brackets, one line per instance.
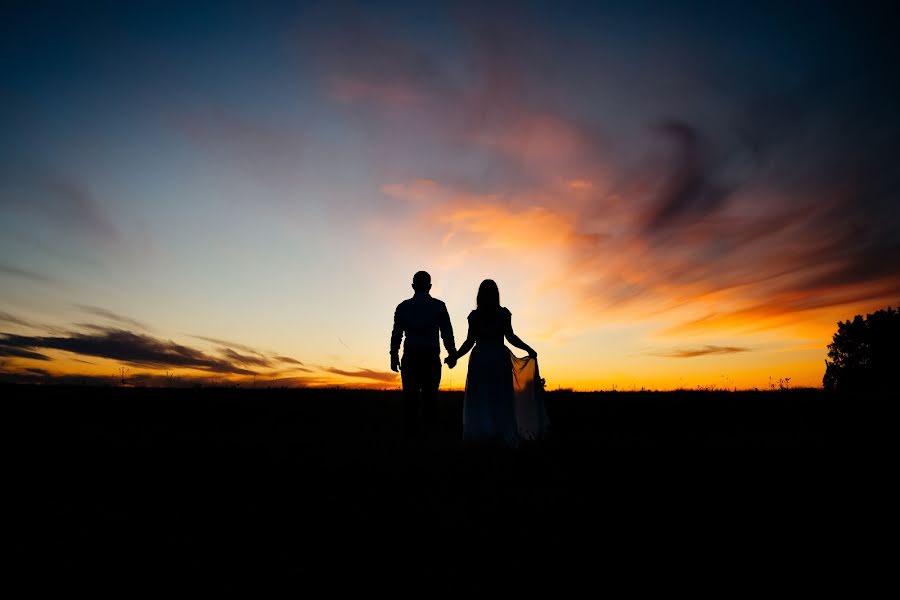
[516, 341]
[464, 349]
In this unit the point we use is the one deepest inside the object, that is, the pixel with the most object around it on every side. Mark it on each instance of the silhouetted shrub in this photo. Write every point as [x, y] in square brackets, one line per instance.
[864, 353]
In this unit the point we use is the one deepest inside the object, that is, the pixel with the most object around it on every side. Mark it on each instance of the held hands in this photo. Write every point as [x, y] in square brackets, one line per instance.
[450, 360]
[532, 353]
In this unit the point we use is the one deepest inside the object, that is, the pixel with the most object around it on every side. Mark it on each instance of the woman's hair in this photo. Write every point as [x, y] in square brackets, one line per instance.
[488, 295]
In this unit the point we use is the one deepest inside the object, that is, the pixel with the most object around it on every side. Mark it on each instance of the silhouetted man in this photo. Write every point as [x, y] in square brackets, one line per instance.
[420, 318]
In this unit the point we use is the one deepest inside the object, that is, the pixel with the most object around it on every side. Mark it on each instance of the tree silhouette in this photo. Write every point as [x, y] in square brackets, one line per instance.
[864, 353]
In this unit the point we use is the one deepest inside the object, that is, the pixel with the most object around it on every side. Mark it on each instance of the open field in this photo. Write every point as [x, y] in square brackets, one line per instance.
[242, 487]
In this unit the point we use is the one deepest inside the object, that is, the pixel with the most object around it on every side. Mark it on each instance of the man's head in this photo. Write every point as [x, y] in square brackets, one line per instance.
[421, 281]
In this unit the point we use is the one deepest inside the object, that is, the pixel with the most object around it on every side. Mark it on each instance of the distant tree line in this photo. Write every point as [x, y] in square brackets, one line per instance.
[864, 353]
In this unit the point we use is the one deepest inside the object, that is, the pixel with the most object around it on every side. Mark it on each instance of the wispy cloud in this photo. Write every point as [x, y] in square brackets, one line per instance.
[383, 376]
[24, 273]
[59, 198]
[699, 351]
[288, 359]
[252, 357]
[5, 317]
[108, 314]
[144, 350]
[244, 359]
[227, 344]
[13, 350]
[264, 148]
[125, 346]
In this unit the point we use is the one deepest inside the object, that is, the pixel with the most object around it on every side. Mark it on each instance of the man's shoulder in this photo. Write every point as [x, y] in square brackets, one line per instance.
[418, 304]
[404, 305]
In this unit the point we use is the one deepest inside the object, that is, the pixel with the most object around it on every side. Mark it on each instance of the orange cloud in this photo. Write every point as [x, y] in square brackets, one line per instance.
[610, 271]
[581, 184]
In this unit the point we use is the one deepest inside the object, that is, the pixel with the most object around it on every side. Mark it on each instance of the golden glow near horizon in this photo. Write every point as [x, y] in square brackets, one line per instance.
[605, 360]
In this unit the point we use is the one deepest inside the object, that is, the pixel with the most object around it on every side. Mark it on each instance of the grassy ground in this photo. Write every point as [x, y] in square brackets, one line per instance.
[234, 488]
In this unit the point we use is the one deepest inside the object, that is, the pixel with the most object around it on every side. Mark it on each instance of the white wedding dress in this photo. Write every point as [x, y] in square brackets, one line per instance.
[504, 402]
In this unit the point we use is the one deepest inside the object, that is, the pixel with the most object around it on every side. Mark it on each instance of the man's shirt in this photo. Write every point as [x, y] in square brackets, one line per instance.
[421, 318]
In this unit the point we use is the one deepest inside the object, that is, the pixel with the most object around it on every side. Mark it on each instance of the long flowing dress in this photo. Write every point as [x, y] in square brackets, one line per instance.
[504, 398]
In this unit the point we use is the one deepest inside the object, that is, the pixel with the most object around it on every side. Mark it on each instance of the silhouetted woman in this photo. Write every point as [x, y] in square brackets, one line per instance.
[504, 401]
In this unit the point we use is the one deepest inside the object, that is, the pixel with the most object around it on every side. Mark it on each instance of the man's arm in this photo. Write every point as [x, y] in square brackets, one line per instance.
[396, 337]
[447, 333]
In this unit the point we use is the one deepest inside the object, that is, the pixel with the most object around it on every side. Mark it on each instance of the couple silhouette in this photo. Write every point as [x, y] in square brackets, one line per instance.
[503, 403]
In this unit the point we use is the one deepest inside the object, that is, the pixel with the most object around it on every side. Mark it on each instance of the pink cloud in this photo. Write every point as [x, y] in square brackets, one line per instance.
[670, 216]
[396, 95]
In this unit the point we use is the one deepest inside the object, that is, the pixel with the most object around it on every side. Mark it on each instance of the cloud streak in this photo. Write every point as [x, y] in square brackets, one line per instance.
[108, 314]
[139, 349]
[700, 351]
[24, 273]
[382, 376]
[13, 350]
[64, 199]
[288, 359]
[125, 346]
[227, 344]
[8, 318]
[247, 360]
[265, 148]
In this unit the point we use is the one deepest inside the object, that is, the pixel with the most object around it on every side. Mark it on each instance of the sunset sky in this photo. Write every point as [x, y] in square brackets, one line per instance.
[241, 192]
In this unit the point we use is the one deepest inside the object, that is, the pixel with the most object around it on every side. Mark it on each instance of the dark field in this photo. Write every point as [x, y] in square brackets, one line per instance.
[131, 489]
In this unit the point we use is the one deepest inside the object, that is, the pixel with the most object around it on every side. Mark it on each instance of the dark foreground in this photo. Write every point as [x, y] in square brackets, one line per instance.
[138, 489]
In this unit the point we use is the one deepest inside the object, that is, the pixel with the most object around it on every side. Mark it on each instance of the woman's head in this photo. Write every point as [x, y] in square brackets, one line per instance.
[488, 295]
